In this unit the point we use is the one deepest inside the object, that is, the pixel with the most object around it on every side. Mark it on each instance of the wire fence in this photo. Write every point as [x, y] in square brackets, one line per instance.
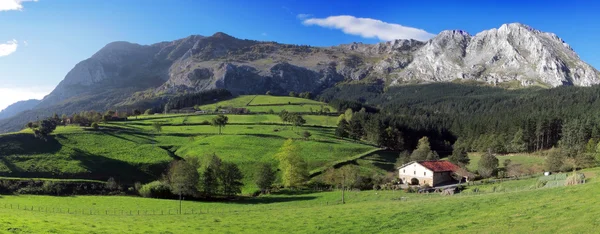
[351, 197]
[160, 212]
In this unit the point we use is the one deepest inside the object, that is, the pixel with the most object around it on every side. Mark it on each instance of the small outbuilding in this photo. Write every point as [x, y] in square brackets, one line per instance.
[432, 173]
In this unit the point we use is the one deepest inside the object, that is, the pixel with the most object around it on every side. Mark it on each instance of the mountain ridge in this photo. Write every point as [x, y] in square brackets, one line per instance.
[124, 74]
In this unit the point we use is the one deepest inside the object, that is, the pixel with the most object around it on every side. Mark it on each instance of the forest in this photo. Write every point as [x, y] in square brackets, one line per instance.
[478, 118]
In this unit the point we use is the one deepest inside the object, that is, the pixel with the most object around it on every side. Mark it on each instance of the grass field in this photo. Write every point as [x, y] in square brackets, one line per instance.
[264, 103]
[570, 209]
[133, 151]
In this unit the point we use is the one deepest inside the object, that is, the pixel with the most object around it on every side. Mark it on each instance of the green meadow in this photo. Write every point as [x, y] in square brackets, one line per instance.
[523, 211]
[133, 151]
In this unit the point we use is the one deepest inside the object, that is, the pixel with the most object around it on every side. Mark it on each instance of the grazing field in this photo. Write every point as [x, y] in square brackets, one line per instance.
[132, 151]
[528, 211]
[265, 103]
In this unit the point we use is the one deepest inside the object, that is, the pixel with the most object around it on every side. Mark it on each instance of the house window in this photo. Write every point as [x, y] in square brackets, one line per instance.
[403, 170]
[415, 172]
[424, 173]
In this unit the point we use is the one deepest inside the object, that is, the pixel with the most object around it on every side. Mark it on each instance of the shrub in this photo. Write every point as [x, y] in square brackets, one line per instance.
[111, 184]
[205, 122]
[149, 112]
[575, 178]
[137, 186]
[95, 126]
[156, 189]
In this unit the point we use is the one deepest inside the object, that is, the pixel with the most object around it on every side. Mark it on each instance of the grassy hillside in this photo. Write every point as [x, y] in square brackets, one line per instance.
[557, 210]
[264, 103]
[133, 151]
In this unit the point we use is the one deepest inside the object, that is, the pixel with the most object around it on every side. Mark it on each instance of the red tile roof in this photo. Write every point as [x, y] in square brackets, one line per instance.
[439, 165]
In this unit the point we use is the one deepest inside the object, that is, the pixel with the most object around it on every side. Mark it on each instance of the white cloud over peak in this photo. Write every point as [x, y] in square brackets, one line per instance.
[370, 28]
[9, 47]
[13, 5]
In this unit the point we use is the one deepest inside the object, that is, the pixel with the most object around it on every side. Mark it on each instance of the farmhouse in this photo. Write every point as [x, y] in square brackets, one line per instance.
[432, 173]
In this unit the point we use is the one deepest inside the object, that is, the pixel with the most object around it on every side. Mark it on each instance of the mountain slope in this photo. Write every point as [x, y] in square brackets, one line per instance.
[18, 107]
[513, 52]
[124, 75]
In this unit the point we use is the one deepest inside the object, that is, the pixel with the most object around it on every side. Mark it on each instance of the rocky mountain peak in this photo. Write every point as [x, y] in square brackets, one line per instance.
[222, 35]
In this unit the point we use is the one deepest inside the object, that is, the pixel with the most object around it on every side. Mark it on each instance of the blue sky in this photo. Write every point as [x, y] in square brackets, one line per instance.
[40, 41]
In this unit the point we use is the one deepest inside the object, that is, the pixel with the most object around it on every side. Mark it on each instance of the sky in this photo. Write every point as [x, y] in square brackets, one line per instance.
[41, 40]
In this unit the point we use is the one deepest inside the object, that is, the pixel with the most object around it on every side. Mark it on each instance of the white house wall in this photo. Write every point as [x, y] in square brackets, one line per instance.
[416, 170]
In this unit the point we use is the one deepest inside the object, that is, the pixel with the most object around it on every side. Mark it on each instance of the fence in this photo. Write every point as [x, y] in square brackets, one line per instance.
[351, 197]
[147, 212]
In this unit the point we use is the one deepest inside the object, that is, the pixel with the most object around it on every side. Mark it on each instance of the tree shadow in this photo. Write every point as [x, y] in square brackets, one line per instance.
[25, 143]
[102, 168]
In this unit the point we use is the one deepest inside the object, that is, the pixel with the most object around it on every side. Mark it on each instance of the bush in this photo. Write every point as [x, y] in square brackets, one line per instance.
[95, 126]
[205, 122]
[156, 189]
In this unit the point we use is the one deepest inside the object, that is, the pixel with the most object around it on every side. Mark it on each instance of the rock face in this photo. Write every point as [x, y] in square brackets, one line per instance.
[513, 52]
[123, 74]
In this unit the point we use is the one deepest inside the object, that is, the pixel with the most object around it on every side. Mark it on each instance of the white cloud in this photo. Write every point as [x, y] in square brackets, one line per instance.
[370, 28]
[303, 16]
[264, 34]
[9, 47]
[9, 96]
[13, 5]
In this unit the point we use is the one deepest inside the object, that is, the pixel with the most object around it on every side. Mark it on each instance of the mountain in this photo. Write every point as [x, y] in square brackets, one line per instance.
[18, 107]
[513, 52]
[125, 75]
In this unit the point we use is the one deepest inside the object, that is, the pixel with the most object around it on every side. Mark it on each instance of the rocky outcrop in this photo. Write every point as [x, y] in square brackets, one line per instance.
[511, 53]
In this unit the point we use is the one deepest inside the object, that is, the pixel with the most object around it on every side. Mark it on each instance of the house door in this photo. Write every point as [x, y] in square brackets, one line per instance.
[414, 181]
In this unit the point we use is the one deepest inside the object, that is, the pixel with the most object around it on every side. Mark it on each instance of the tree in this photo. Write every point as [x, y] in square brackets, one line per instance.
[183, 176]
[136, 113]
[403, 158]
[292, 94]
[518, 144]
[423, 150]
[95, 126]
[293, 167]
[265, 177]
[340, 118]
[459, 157]
[149, 112]
[348, 115]
[432, 156]
[231, 179]
[269, 93]
[306, 135]
[346, 177]
[219, 121]
[209, 182]
[554, 160]
[392, 139]
[298, 120]
[355, 129]
[157, 127]
[43, 128]
[488, 165]
[342, 129]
